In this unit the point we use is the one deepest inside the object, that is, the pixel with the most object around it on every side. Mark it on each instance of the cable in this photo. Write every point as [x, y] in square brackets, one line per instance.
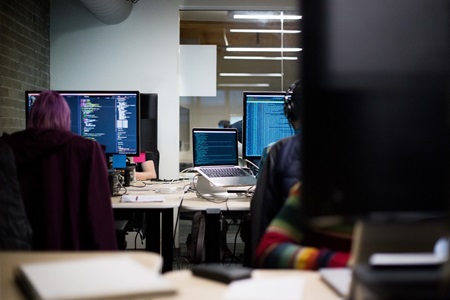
[140, 186]
[252, 163]
[235, 242]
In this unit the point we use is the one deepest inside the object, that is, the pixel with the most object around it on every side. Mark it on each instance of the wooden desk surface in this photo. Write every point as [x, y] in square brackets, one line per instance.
[191, 287]
[192, 202]
[10, 260]
[188, 286]
[173, 193]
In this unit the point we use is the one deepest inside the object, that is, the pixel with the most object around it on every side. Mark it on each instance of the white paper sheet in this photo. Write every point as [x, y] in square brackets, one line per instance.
[279, 288]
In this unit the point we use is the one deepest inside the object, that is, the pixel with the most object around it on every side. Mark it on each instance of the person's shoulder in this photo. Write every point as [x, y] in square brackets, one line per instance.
[285, 142]
[82, 142]
[290, 139]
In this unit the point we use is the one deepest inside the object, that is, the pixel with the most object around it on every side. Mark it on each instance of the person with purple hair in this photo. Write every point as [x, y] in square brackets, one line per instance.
[63, 180]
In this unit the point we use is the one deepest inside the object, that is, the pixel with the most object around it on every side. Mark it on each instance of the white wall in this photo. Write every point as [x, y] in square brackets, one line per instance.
[240, 4]
[141, 53]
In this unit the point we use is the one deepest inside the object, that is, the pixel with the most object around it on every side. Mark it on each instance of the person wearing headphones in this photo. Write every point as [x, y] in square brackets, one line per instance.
[292, 110]
[279, 237]
[280, 170]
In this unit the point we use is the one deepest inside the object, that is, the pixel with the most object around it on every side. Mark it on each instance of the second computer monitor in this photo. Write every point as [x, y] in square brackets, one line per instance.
[263, 123]
[109, 117]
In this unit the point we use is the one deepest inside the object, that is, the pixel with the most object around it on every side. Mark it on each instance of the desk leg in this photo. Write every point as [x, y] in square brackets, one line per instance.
[152, 231]
[167, 239]
[212, 235]
[159, 237]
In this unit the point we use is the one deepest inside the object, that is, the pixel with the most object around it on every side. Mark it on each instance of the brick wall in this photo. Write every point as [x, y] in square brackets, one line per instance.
[24, 57]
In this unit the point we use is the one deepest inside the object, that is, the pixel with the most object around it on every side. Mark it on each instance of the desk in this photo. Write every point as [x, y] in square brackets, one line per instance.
[158, 218]
[191, 287]
[10, 260]
[188, 286]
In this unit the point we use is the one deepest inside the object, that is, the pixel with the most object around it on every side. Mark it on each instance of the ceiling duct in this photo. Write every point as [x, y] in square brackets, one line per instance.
[109, 11]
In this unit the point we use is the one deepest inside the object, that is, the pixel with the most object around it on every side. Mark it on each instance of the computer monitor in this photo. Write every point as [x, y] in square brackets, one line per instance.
[376, 118]
[375, 131]
[263, 123]
[109, 117]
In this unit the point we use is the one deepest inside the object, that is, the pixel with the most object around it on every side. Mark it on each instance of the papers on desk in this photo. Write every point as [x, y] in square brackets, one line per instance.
[280, 288]
[142, 198]
[339, 279]
[91, 278]
[156, 189]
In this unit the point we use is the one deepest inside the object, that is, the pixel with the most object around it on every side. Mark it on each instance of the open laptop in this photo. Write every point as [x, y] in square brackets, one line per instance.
[215, 153]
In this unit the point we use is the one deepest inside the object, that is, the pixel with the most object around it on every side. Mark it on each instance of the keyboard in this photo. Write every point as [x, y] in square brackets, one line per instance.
[224, 172]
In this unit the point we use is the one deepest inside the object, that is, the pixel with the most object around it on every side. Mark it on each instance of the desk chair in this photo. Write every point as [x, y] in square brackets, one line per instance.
[133, 222]
[15, 229]
[65, 190]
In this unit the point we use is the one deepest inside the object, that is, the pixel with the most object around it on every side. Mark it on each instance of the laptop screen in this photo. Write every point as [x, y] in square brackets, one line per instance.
[215, 147]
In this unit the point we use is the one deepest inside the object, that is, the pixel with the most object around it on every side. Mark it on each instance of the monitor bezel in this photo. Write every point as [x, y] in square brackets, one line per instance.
[212, 129]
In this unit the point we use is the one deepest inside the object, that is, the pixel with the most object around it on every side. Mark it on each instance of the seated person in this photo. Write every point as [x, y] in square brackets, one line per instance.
[148, 171]
[63, 180]
[223, 124]
[280, 170]
[285, 243]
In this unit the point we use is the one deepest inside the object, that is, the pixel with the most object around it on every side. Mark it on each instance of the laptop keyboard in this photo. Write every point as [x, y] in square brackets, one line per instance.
[224, 172]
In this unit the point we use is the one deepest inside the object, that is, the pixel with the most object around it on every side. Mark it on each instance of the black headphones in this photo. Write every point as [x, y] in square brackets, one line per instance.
[290, 105]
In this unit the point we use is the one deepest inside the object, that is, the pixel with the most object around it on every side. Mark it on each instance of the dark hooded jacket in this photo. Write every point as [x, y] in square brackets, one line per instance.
[65, 188]
[15, 230]
[280, 171]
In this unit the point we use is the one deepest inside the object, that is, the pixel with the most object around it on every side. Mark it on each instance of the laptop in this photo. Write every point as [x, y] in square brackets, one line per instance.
[215, 154]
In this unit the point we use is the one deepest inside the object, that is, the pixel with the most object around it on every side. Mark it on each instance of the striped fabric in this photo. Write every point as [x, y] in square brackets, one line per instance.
[281, 247]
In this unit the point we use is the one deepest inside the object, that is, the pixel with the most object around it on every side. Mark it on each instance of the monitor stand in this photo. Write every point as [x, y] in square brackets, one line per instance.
[398, 281]
[205, 188]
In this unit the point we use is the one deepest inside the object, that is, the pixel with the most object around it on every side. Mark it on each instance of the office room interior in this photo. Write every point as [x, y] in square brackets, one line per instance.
[61, 45]
[79, 52]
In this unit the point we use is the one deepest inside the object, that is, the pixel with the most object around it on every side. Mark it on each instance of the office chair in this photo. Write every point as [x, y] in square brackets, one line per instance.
[65, 190]
[126, 221]
[15, 229]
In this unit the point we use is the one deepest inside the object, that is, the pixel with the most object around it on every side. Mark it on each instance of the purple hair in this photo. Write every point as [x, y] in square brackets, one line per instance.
[50, 111]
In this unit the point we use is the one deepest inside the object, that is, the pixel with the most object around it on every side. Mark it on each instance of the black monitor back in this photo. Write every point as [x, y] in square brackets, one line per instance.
[149, 122]
[376, 125]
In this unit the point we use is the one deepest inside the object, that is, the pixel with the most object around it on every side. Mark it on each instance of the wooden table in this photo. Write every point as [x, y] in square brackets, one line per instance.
[159, 217]
[10, 260]
[191, 287]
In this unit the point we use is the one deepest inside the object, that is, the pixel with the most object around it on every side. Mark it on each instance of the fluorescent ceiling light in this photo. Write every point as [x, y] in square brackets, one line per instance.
[264, 31]
[243, 85]
[262, 49]
[268, 17]
[261, 57]
[250, 74]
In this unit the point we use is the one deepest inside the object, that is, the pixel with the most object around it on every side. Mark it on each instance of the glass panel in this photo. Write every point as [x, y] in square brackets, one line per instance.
[249, 58]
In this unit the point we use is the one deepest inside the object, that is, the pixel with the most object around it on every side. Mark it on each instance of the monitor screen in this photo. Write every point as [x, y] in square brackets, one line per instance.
[214, 146]
[109, 117]
[264, 122]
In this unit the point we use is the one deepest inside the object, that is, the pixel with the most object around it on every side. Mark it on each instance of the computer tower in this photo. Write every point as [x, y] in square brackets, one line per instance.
[149, 122]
